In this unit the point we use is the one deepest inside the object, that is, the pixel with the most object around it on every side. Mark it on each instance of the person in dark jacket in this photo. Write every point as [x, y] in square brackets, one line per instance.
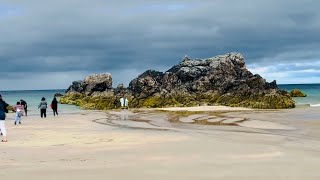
[54, 106]
[25, 105]
[43, 107]
[3, 111]
[115, 103]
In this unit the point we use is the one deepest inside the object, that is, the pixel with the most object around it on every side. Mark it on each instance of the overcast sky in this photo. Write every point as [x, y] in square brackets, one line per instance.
[49, 44]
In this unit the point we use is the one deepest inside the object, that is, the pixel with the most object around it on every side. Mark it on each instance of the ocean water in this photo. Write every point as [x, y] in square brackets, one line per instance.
[312, 91]
[33, 99]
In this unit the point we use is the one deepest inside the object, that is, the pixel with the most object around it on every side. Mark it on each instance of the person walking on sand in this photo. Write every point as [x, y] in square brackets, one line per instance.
[25, 105]
[18, 108]
[54, 106]
[115, 103]
[3, 111]
[122, 102]
[126, 103]
[43, 107]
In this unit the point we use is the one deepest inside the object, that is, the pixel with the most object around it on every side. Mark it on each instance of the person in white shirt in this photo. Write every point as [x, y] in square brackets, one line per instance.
[122, 102]
[126, 103]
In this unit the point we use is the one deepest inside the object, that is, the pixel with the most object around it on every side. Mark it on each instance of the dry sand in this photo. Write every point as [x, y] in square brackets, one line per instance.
[146, 145]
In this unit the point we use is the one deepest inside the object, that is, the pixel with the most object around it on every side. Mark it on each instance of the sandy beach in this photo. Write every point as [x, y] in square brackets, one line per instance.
[152, 144]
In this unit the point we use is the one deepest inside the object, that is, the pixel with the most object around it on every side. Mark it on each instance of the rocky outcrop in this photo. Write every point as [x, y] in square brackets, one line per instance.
[95, 92]
[91, 84]
[297, 93]
[58, 95]
[147, 84]
[77, 86]
[221, 74]
[98, 82]
[221, 80]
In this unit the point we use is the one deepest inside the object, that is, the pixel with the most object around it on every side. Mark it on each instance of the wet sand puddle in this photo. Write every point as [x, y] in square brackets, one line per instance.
[162, 120]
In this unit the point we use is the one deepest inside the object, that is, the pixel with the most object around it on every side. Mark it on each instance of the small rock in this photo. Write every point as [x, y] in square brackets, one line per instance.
[58, 95]
[297, 93]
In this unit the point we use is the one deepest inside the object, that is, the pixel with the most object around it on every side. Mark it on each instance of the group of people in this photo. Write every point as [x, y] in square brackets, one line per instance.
[21, 109]
[124, 103]
[44, 105]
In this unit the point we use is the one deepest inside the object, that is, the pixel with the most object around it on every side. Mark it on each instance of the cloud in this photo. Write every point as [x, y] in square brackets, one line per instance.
[128, 37]
[291, 73]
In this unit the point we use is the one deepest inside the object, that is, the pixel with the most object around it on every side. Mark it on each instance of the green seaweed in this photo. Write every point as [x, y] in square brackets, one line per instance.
[297, 93]
[256, 101]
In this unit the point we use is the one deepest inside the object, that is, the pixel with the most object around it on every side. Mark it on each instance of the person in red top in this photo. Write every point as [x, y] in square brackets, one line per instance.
[19, 112]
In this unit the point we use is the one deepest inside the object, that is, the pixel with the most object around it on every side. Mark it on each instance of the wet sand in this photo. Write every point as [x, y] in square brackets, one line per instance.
[152, 144]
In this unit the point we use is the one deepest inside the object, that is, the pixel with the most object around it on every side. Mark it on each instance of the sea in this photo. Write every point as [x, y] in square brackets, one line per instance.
[33, 97]
[312, 91]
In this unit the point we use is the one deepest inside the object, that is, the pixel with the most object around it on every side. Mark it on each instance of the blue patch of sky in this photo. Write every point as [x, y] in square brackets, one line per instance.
[9, 11]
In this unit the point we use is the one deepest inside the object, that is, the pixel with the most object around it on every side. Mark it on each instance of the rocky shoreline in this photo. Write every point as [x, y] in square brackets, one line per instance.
[221, 80]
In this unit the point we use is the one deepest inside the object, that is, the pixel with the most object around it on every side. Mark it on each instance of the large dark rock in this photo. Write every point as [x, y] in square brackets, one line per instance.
[146, 84]
[95, 92]
[224, 74]
[98, 82]
[77, 86]
[223, 80]
[91, 84]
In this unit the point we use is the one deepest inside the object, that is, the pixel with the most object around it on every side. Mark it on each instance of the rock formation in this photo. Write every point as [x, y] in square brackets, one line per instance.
[58, 95]
[297, 93]
[221, 80]
[94, 92]
[93, 83]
